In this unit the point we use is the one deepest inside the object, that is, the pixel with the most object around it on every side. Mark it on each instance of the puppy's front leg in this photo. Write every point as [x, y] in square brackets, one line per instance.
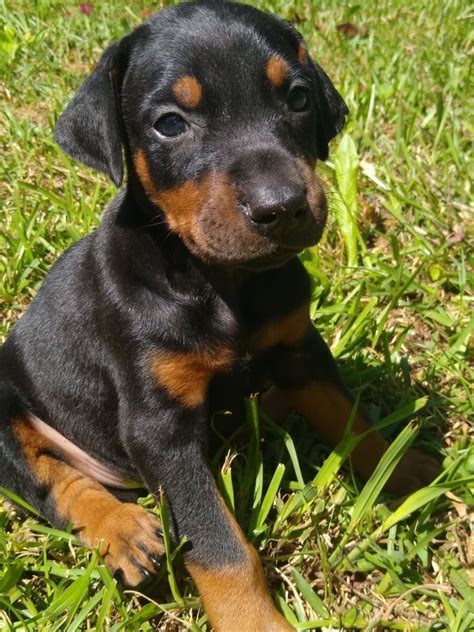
[168, 450]
[308, 381]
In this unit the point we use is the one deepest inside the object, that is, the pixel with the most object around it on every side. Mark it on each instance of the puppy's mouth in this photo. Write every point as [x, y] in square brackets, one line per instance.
[291, 247]
[249, 249]
[210, 217]
[221, 234]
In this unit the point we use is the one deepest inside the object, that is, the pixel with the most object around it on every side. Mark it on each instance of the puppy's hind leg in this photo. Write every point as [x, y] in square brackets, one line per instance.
[32, 467]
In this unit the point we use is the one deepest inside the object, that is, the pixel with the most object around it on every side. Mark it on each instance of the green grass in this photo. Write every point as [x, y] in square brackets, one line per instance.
[392, 296]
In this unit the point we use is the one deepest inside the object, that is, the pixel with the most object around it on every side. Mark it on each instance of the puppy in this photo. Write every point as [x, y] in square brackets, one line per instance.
[188, 295]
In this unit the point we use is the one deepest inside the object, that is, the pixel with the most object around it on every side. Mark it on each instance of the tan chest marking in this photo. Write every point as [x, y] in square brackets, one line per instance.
[186, 375]
[288, 330]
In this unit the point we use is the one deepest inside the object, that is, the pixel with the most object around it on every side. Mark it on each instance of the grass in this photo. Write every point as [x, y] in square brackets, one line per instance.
[392, 296]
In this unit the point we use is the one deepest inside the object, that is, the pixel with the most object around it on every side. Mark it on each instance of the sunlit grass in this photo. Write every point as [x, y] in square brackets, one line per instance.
[392, 295]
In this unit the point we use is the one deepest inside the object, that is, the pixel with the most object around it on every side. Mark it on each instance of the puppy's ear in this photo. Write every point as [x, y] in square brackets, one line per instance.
[331, 108]
[89, 130]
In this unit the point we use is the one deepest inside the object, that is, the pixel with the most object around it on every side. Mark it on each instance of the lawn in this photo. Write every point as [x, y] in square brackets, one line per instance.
[391, 295]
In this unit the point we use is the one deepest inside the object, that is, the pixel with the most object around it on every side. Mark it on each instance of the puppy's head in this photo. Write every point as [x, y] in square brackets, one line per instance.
[221, 115]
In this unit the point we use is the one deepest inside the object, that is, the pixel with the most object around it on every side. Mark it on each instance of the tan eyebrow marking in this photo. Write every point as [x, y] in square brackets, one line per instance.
[277, 70]
[302, 54]
[187, 91]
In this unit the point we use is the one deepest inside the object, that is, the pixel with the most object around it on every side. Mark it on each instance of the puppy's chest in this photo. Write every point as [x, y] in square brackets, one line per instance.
[211, 329]
[206, 340]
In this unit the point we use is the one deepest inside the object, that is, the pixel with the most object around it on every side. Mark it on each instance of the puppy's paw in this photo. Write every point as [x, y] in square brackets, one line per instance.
[132, 544]
[415, 470]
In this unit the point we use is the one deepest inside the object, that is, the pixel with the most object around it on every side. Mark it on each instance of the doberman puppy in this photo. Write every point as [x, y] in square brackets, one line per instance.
[189, 294]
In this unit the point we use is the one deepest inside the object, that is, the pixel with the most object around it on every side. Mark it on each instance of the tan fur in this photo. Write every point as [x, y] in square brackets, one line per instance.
[236, 598]
[302, 54]
[183, 204]
[322, 403]
[288, 329]
[315, 192]
[187, 92]
[277, 70]
[122, 529]
[328, 409]
[186, 376]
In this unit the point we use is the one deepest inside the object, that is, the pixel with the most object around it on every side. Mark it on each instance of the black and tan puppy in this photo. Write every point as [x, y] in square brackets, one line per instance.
[191, 283]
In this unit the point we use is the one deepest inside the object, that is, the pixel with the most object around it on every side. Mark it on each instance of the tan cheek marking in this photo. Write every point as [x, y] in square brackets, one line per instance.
[186, 376]
[143, 173]
[183, 204]
[187, 91]
[302, 54]
[277, 70]
[288, 330]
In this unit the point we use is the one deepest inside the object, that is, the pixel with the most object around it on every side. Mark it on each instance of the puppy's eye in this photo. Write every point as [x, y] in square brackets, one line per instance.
[298, 99]
[171, 125]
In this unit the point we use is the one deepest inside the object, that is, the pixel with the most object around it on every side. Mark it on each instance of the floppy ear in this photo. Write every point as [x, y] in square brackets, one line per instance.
[89, 130]
[332, 110]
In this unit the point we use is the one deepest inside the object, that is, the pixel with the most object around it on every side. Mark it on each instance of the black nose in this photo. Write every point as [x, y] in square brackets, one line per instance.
[278, 209]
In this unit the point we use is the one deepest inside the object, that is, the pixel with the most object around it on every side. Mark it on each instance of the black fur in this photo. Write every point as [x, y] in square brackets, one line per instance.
[89, 130]
[78, 358]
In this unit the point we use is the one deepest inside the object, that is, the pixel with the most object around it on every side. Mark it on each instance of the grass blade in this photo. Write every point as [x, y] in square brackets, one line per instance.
[345, 201]
[311, 597]
[269, 498]
[382, 473]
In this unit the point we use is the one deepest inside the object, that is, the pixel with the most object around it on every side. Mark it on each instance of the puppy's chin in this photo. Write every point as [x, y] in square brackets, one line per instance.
[254, 262]
[248, 255]
[228, 239]
[269, 262]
